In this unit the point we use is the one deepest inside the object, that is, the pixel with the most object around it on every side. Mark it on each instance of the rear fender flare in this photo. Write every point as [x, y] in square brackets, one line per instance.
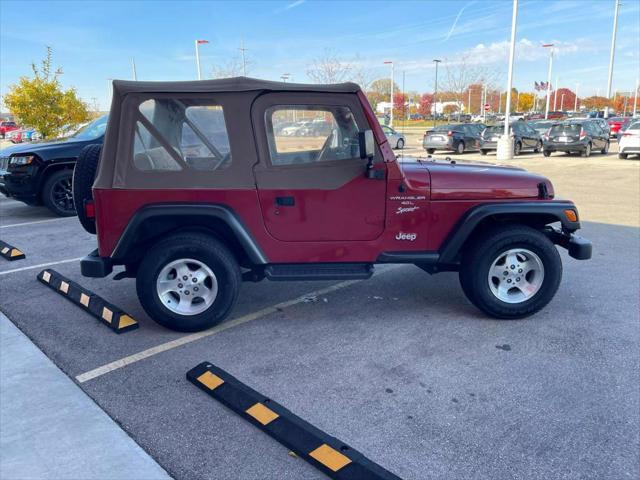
[179, 213]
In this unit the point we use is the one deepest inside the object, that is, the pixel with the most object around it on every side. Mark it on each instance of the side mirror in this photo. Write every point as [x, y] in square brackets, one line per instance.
[367, 144]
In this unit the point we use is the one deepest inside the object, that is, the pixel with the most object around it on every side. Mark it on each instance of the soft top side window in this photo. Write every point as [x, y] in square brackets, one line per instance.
[175, 134]
[299, 134]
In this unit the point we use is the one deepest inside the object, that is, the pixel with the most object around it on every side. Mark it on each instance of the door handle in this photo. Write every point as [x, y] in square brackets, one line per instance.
[285, 201]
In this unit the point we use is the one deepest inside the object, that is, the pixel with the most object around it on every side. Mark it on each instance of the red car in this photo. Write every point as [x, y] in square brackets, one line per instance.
[6, 127]
[614, 125]
[197, 191]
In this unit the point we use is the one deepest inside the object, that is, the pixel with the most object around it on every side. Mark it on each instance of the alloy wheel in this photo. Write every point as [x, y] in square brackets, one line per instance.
[62, 195]
[187, 286]
[516, 275]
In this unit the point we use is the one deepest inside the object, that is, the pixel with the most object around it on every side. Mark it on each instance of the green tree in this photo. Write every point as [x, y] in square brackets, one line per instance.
[41, 102]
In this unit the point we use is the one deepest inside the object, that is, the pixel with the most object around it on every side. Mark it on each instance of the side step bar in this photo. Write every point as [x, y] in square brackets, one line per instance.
[318, 271]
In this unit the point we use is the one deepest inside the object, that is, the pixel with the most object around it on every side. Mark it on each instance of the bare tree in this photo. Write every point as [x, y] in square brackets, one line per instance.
[463, 72]
[233, 68]
[327, 68]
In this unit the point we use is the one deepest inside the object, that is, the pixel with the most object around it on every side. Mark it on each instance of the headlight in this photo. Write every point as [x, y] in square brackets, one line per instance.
[25, 160]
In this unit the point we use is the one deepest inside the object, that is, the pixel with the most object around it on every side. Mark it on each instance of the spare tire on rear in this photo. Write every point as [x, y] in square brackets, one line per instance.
[84, 175]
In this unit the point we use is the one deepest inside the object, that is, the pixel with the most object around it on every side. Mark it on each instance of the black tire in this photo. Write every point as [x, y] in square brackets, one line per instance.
[587, 151]
[460, 147]
[400, 144]
[546, 153]
[477, 261]
[483, 152]
[202, 248]
[538, 147]
[84, 175]
[605, 149]
[517, 148]
[622, 156]
[431, 151]
[57, 193]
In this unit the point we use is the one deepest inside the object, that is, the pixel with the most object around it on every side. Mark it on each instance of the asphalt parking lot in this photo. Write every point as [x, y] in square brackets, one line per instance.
[401, 367]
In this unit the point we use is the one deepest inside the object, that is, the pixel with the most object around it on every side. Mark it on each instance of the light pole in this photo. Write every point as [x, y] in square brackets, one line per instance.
[575, 103]
[504, 149]
[133, 68]
[198, 42]
[555, 94]
[562, 102]
[546, 110]
[390, 62]
[613, 51]
[469, 101]
[635, 98]
[435, 93]
[244, 61]
[484, 96]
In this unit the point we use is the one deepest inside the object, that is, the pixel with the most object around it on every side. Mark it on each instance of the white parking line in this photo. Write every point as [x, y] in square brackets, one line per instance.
[34, 222]
[136, 357]
[41, 265]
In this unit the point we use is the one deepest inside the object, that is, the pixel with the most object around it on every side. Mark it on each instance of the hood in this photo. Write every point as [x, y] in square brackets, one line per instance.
[47, 148]
[476, 181]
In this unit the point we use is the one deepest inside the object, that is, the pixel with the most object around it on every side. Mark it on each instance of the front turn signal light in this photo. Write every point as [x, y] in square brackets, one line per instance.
[571, 215]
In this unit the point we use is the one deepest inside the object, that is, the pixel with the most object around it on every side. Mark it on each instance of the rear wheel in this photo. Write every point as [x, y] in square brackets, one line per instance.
[400, 144]
[188, 282]
[546, 153]
[511, 272]
[605, 149]
[622, 156]
[431, 151]
[460, 148]
[483, 152]
[538, 147]
[587, 150]
[57, 194]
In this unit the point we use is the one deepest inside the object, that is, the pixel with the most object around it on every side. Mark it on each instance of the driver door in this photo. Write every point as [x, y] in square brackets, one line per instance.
[310, 177]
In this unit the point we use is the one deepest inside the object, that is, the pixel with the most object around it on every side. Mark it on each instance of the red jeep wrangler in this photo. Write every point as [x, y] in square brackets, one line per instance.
[201, 185]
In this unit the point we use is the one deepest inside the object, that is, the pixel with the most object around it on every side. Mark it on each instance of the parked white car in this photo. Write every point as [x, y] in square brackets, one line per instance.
[396, 140]
[630, 141]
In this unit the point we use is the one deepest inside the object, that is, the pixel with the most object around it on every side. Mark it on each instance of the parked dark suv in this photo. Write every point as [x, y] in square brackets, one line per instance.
[524, 138]
[457, 137]
[40, 173]
[581, 136]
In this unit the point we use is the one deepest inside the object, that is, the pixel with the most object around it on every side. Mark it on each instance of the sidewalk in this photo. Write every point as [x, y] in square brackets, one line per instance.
[50, 429]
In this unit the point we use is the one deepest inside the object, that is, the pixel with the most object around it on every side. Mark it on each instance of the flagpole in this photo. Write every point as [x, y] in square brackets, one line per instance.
[198, 60]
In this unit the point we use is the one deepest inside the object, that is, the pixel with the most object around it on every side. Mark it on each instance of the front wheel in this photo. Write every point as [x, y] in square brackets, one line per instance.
[460, 148]
[400, 144]
[605, 149]
[517, 148]
[483, 152]
[587, 151]
[188, 282]
[431, 151]
[57, 193]
[546, 153]
[511, 272]
[622, 156]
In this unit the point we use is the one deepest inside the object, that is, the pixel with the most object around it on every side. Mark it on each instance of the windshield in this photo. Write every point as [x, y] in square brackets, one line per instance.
[92, 130]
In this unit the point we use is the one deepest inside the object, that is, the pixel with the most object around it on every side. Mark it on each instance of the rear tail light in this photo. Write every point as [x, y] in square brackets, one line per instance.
[89, 209]
[582, 134]
[450, 133]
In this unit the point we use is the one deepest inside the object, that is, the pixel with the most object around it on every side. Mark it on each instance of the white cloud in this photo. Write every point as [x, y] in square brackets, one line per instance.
[295, 4]
[526, 50]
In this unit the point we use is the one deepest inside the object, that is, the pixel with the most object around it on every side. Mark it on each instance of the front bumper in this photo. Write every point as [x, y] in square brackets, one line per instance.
[578, 247]
[95, 266]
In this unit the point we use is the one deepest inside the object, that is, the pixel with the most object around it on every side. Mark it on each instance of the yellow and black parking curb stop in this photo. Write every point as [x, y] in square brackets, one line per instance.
[107, 313]
[328, 454]
[10, 252]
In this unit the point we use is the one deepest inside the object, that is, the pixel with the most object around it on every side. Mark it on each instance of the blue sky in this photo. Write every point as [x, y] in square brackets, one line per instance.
[94, 41]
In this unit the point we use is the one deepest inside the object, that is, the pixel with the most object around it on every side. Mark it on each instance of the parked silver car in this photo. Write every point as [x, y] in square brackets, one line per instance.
[396, 140]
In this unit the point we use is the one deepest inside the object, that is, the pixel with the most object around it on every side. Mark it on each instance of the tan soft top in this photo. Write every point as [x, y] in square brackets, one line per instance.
[235, 84]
